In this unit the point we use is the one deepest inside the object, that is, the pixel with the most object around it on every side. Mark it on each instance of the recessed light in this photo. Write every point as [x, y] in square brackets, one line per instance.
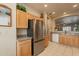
[53, 12]
[75, 5]
[64, 13]
[45, 5]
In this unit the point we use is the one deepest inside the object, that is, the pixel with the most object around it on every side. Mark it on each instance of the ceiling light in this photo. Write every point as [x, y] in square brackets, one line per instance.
[65, 13]
[53, 12]
[75, 5]
[45, 5]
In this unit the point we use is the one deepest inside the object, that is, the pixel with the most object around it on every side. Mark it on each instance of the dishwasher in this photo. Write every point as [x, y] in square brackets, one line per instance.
[55, 37]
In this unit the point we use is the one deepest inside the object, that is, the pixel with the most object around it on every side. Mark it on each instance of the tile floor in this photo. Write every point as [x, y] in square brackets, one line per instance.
[55, 49]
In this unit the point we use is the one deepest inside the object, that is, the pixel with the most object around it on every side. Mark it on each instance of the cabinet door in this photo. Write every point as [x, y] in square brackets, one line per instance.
[73, 40]
[23, 49]
[26, 20]
[65, 40]
[76, 41]
[22, 19]
[69, 40]
[17, 18]
[29, 48]
[61, 39]
[46, 41]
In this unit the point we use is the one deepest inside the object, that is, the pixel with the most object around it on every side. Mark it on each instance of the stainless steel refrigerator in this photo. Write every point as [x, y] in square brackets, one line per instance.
[38, 40]
[35, 30]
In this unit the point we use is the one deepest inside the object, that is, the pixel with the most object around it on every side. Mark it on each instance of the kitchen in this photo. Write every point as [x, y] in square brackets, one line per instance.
[41, 29]
[65, 28]
[29, 33]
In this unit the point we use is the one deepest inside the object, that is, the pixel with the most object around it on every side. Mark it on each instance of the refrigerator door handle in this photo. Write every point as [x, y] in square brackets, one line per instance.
[38, 40]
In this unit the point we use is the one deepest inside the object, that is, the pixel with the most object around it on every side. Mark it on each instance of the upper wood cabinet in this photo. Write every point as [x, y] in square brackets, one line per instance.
[37, 18]
[22, 19]
[30, 16]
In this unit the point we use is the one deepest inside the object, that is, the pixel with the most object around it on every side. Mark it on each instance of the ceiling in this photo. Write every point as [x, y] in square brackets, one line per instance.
[58, 8]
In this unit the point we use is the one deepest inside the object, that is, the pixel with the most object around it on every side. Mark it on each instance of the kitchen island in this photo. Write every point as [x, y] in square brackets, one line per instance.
[68, 38]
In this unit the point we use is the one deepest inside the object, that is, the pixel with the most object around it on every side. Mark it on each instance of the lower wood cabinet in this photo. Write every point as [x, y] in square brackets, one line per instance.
[65, 41]
[71, 40]
[62, 39]
[24, 48]
[46, 41]
[76, 41]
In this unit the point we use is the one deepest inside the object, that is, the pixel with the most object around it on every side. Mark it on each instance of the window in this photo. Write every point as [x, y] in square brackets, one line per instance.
[5, 16]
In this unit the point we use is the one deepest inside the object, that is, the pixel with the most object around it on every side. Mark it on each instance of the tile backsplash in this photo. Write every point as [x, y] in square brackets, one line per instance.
[22, 32]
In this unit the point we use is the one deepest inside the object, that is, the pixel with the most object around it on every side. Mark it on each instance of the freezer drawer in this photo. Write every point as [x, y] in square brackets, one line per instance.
[38, 47]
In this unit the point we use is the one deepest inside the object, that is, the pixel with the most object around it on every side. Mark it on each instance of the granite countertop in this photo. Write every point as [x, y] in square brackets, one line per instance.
[67, 33]
[24, 38]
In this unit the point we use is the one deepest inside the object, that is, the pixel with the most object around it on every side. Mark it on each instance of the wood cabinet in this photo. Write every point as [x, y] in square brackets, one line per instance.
[30, 16]
[65, 41]
[46, 41]
[22, 19]
[71, 40]
[62, 39]
[76, 41]
[38, 18]
[24, 48]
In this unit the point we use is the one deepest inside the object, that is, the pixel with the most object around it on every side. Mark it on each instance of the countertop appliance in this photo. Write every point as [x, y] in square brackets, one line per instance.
[35, 30]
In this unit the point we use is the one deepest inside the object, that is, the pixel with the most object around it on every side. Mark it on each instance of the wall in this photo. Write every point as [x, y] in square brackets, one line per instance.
[8, 35]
